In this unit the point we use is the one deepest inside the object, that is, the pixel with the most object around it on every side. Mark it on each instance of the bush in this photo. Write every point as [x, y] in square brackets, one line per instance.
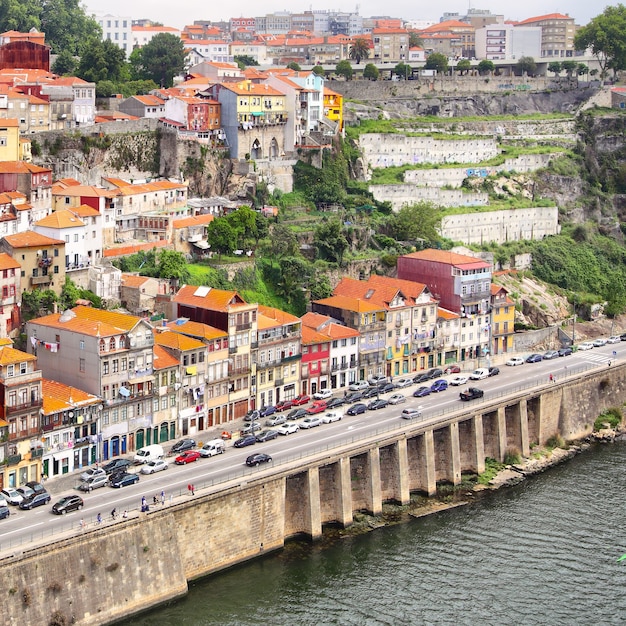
[613, 417]
[512, 456]
[556, 441]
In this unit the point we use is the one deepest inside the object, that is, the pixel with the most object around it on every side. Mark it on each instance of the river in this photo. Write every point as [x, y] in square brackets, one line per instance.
[542, 552]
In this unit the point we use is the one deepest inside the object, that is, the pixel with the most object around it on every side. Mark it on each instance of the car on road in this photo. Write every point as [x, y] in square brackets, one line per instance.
[123, 479]
[25, 491]
[420, 392]
[277, 420]
[585, 345]
[439, 385]
[472, 393]
[4, 512]
[284, 405]
[310, 422]
[182, 445]
[550, 354]
[294, 414]
[301, 399]
[357, 409]
[353, 396]
[92, 472]
[116, 465]
[333, 403]
[37, 499]
[421, 378]
[372, 392]
[323, 394]
[266, 411]
[515, 360]
[534, 358]
[67, 505]
[458, 380]
[387, 388]
[251, 415]
[213, 447]
[494, 371]
[318, 406]
[377, 379]
[266, 435]
[374, 405]
[288, 428]
[409, 414]
[158, 465]
[251, 428]
[480, 373]
[331, 416]
[360, 385]
[397, 398]
[566, 351]
[12, 496]
[452, 369]
[255, 460]
[96, 481]
[401, 383]
[435, 372]
[613, 339]
[189, 456]
[247, 440]
[599, 342]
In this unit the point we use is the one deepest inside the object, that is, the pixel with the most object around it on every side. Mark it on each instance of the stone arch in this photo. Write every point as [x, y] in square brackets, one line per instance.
[257, 150]
[273, 149]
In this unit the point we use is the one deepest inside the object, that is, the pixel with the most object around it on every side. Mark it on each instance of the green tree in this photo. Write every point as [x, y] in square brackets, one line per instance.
[36, 303]
[20, 15]
[582, 69]
[101, 60]
[604, 36]
[570, 67]
[319, 286]
[243, 221]
[486, 67]
[463, 66]
[172, 265]
[360, 49]
[245, 60]
[437, 61]
[344, 68]
[555, 67]
[415, 41]
[330, 240]
[403, 71]
[294, 274]
[294, 66]
[262, 227]
[163, 58]
[283, 241]
[415, 221]
[526, 65]
[221, 236]
[67, 27]
[318, 70]
[370, 72]
[65, 64]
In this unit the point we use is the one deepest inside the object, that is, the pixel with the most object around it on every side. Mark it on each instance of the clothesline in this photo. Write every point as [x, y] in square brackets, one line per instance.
[53, 346]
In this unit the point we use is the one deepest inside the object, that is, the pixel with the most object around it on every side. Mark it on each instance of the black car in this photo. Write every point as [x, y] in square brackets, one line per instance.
[67, 504]
[435, 372]
[566, 351]
[4, 512]
[296, 414]
[183, 445]
[36, 487]
[357, 409]
[353, 396]
[37, 499]
[117, 465]
[256, 459]
[370, 393]
[251, 415]
[421, 378]
[473, 393]
[387, 388]
[494, 371]
[266, 435]
[420, 392]
[534, 358]
[248, 440]
[333, 403]
[377, 404]
[122, 480]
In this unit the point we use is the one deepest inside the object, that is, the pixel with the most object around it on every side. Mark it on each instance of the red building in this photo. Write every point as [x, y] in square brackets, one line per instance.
[315, 360]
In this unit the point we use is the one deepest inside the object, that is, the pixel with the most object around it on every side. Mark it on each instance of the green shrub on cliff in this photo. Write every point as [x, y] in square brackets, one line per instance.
[613, 417]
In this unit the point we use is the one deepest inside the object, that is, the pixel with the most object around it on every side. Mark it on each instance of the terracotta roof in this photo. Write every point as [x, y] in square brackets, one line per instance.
[9, 122]
[22, 167]
[447, 315]
[209, 298]
[542, 18]
[60, 219]
[194, 220]
[132, 280]
[252, 90]
[310, 336]
[315, 320]
[7, 262]
[84, 210]
[31, 239]
[162, 358]
[9, 355]
[350, 304]
[90, 321]
[281, 317]
[59, 397]
[138, 247]
[445, 256]
[177, 341]
[149, 100]
[197, 329]
[339, 331]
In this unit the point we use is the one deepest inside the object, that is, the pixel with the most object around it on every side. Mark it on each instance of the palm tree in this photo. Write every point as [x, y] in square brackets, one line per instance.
[360, 49]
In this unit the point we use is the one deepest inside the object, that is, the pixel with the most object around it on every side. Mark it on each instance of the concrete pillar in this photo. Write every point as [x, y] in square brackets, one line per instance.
[479, 443]
[314, 513]
[455, 454]
[523, 427]
[501, 433]
[345, 492]
[374, 488]
[402, 491]
[428, 463]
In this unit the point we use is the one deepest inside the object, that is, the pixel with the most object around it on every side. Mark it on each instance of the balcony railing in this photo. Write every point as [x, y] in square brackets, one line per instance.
[16, 408]
[241, 327]
[40, 280]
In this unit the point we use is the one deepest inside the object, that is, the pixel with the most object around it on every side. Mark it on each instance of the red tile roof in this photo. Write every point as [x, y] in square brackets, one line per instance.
[445, 256]
[31, 239]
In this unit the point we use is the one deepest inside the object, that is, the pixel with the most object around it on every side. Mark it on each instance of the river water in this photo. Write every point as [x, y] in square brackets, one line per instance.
[543, 552]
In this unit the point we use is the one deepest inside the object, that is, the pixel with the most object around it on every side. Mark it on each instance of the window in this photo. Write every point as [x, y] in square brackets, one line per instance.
[23, 368]
[105, 367]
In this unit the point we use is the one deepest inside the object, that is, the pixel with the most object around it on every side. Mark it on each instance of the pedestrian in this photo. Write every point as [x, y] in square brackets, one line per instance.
[609, 362]
[189, 487]
[155, 500]
[98, 519]
[113, 513]
[125, 514]
[143, 501]
[551, 378]
[163, 498]
[193, 489]
[81, 524]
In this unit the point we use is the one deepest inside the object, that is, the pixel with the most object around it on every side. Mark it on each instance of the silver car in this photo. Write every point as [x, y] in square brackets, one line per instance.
[397, 398]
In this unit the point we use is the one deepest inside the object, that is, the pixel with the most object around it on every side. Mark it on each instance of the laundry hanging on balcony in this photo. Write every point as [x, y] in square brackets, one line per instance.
[53, 346]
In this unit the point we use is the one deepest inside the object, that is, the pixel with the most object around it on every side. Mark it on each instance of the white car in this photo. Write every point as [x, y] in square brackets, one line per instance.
[614, 339]
[409, 414]
[154, 466]
[288, 428]
[585, 345]
[310, 422]
[359, 386]
[458, 380]
[403, 382]
[331, 416]
[323, 394]
[599, 342]
[516, 360]
[480, 373]
[397, 398]
[12, 496]
[92, 472]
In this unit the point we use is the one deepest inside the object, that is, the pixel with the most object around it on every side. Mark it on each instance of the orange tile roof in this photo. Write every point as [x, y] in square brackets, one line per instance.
[310, 336]
[162, 359]
[252, 90]
[338, 331]
[282, 317]
[177, 341]
[59, 397]
[350, 304]
[10, 355]
[542, 18]
[31, 239]
[138, 247]
[88, 191]
[134, 281]
[315, 320]
[194, 220]
[445, 256]
[9, 122]
[60, 219]
[84, 210]
[198, 329]
[90, 321]
[149, 100]
[7, 262]
[264, 323]
[22, 167]
[445, 314]
[214, 300]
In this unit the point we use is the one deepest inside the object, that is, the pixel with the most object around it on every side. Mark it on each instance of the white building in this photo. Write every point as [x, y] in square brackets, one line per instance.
[118, 29]
[505, 41]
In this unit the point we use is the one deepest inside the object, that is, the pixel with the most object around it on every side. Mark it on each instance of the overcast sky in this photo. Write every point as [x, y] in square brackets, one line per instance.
[181, 12]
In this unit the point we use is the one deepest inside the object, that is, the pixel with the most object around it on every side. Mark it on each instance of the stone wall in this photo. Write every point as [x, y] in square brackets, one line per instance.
[401, 194]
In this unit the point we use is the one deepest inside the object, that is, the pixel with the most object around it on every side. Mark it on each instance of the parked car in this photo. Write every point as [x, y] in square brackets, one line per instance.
[331, 416]
[288, 428]
[156, 466]
[213, 447]
[92, 472]
[251, 428]
[301, 399]
[266, 411]
[387, 388]
[421, 378]
[360, 385]
[37, 499]
[403, 382]
[310, 422]
[472, 393]
[480, 373]
[458, 380]
[117, 465]
[284, 405]
[123, 480]
[295, 414]
[585, 345]
[439, 385]
[316, 407]
[566, 351]
[420, 392]
[189, 456]
[397, 398]
[372, 392]
[251, 415]
[25, 492]
[357, 409]
[266, 435]
[409, 414]
[247, 440]
[377, 379]
[323, 394]
[277, 420]
[613, 339]
[67, 505]
[534, 358]
[256, 459]
[435, 372]
[622, 337]
[599, 342]
[353, 396]
[12, 496]
[374, 405]
[333, 403]
[182, 445]
[35, 486]
[97, 481]
[452, 369]
[4, 512]
[550, 354]
[494, 371]
[515, 360]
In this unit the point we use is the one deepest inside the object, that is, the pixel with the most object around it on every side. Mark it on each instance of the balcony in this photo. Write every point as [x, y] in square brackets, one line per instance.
[139, 373]
[26, 406]
[232, 349]
[240, 327]
[40, 280]
[279, 382]
[14, 459]
[369, 328]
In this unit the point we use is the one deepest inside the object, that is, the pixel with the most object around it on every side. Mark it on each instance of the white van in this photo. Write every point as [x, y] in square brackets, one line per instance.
[213, 447]
[149, 453]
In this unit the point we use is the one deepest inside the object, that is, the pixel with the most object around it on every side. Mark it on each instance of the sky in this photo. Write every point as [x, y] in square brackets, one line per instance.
[182, 12]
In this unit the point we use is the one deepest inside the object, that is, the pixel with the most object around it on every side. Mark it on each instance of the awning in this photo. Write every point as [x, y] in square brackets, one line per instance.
[3, 423]
[203, 245]
[124, 392]
[192, 370]
[257, 113]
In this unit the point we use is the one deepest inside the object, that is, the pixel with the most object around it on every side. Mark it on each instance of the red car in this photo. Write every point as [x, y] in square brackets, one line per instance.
[284, 405]
[319, 406]
[452, 369]
[301, 400]
[187, 457]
